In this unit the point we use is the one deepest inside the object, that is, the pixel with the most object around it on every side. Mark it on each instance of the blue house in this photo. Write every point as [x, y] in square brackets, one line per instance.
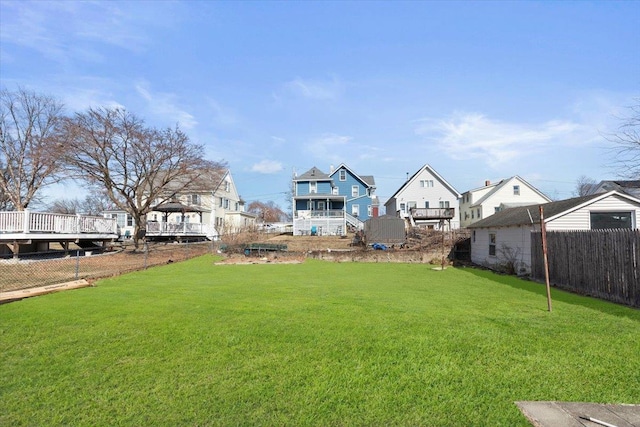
[328, 203]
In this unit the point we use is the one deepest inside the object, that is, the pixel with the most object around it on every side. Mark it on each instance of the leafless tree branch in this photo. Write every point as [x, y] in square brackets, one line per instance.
[30, 146]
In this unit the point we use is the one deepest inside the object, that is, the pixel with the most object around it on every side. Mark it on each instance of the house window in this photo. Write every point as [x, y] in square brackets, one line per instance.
[426, 183]
[334, 191]
[426, 204]
[479, 216]
[474, 236]
[609, 220]
[355, 191]
[129, 221]
[492, 244]
[444, 204]
[321, 205]
[496, 209]
[227, 186]
[472, 216]
[355, 210]
[237, 206]
[516, 190]
[466, 215]
[195, 199]
[226, 203]
[313, 187]
[402, 207]
[369, 211]
[343, 175]
[221, 201]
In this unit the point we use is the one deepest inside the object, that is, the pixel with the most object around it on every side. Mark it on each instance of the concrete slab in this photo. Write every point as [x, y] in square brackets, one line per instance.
[580, 414]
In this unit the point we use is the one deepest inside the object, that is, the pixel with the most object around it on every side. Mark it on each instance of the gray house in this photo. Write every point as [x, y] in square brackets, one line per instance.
[506, 235]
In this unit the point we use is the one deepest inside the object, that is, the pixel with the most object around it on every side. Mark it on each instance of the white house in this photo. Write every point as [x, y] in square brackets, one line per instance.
[208, 207]
[631, 188]
[483, 202]
[506, 235]
[425, 199]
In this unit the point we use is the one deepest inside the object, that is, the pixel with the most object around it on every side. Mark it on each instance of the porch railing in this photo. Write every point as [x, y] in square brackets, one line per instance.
[432, 213]
[333, 213]
[175, 228]
[43, 222]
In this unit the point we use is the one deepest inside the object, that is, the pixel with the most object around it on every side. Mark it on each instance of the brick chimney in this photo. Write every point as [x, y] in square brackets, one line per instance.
[487, 183]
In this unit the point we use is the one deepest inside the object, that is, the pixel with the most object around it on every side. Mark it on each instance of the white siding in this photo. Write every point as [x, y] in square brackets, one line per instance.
[413, 192]
[504, 194]
[580, 219]
[515, 241]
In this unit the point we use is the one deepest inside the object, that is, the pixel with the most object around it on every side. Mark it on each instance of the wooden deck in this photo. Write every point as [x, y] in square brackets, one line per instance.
[37, 229]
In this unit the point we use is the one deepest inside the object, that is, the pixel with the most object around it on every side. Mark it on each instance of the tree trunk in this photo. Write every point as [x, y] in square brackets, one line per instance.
[140, 231]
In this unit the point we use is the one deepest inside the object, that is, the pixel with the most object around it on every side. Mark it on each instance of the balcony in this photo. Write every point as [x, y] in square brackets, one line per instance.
[432, 213]
[331, 213]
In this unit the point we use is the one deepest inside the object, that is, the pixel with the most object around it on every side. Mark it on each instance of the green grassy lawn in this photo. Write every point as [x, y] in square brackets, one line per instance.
[318, 343]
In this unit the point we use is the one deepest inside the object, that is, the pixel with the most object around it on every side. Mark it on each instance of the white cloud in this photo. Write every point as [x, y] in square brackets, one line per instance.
[267, 167]
[315, 89]
[473, 135]
[222, 116]
[330, 147]
[67, 30]
[164, 106]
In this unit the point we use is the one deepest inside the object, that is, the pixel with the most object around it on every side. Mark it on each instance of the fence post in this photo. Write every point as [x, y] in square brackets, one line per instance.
[27, 224]
[77, 263]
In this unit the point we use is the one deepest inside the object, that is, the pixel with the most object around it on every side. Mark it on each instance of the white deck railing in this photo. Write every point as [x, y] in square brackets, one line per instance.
[26, 222]
[176, 228]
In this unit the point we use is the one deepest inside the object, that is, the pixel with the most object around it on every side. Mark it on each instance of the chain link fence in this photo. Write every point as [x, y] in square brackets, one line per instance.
[16, 274]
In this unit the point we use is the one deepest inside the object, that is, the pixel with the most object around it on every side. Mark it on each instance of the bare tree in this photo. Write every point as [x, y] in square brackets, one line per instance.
[30, 145]
[137, 167]
[65, 206]
[267, 212]
[627, 144]
[584, 186]
[94, 204]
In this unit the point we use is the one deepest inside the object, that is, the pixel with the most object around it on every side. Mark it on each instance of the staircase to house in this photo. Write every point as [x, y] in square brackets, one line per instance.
[354, 222]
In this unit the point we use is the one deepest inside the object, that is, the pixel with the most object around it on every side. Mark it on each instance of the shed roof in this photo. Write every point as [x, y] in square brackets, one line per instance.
[524, 215]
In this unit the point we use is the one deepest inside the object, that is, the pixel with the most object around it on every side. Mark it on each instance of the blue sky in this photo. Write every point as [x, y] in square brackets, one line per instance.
[478, 90]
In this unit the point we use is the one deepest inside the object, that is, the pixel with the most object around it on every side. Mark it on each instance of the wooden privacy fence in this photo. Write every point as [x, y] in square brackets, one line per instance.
[599, 263]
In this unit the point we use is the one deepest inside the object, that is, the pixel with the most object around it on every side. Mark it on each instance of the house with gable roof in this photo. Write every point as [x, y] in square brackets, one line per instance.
[631, 188]
[325, 204]
[426, 199]
[506, 235]
[483, 202]
[207, 207]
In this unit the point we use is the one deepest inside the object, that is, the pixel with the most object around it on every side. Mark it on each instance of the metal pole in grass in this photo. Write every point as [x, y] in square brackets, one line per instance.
[543, 230]
[77, 263]
[146, 254]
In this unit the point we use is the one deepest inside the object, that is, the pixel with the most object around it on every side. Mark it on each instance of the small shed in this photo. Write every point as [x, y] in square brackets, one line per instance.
[386, 229]
[505, 237]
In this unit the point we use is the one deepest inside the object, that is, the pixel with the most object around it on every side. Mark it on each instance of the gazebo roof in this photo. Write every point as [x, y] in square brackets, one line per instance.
[176, 207]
